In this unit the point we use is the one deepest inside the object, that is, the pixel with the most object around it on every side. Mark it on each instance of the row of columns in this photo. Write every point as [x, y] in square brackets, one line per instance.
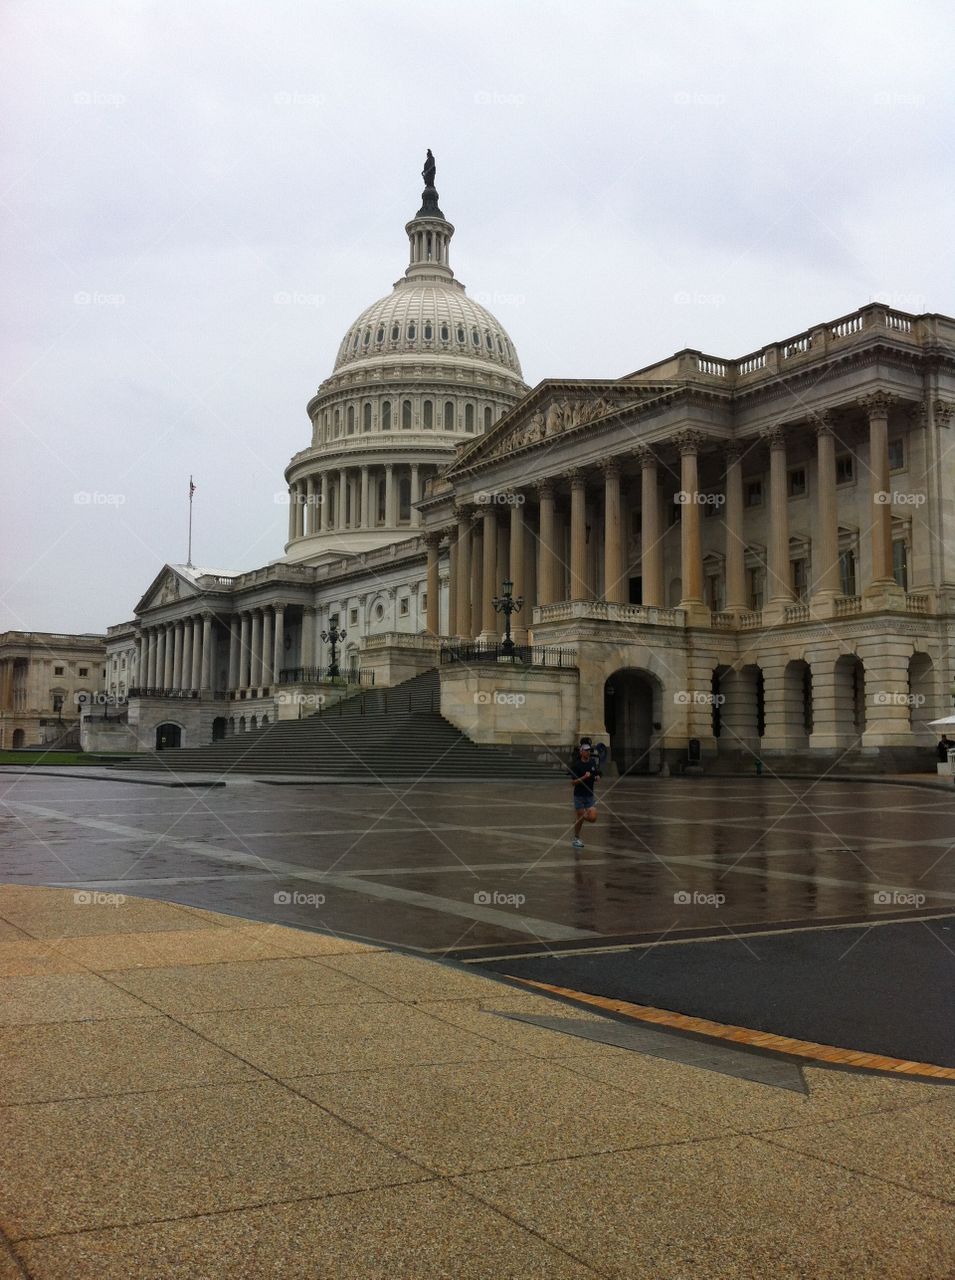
[177, 655]
[311, 510]
[549, 589]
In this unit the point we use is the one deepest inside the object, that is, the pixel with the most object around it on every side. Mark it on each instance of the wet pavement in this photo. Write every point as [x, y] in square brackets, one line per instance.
[771, 870]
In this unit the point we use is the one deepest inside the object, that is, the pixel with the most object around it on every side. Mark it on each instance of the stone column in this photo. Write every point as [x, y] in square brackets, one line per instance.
[365, 501]
[233, 653]
[488, 573]
[530, 577]
[267, 655]
[463, 610]
[735, 546]
[291, 512]
[882, 587]
[651, 541]
[615, 581]
[691, 554]
[255, 663]
[433, 542]
[310, 505]
[323, 510]
[503, 561]
[391, 496]
[342, 511]
[307, 655]
[779, 590]
[187, 637]
[452, 582]
[196, 676]
[518, 620]
[205, 679]
[579, 587]
[278, 648]
[825, 547]
[477, 573]
[415, 496]
[177, 656]
[167, 657]
[245, 651]
[549, 558]
[299, 510]
[150, 680]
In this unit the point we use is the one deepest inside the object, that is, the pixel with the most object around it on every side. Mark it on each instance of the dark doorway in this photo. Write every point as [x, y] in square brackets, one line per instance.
[636, 591]
[168, 737]
[218, 728]
[628, 715]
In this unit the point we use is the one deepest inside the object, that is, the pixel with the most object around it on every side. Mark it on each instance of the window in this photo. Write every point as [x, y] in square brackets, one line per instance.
[353, 617]
[57, 702]
[445, 333]
[366, 418]
[338, 422]
[428, 415]
[475, 337]
[404, 498]
[753, 493]
[714, 592]
[461, 335]
[351, 419]
[799, 576]
[845, 470]
[395, 333]
[900, 563]
[796, 482]
[897, 455]
[449, 415]
[379, 612]
[424, 600]
[380, 335]
[487, 418]
[412, 331]
[84, 671]
[406, 415]
[757, 583]
[847, 572]
[367, 338]
[712, 506]
[386, 416]
[354, 344]
[57, 671]
[487, 339]
[404, 608]
[469, 417]
[428, 332]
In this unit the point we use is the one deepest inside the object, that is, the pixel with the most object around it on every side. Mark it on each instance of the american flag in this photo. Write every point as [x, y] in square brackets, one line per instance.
[192, 487]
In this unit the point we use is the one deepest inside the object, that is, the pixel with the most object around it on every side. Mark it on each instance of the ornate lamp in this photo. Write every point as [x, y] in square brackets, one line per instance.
[333, 637]
[507, 603]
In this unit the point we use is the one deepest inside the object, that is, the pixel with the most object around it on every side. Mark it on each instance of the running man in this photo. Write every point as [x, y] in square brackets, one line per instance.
[585, 773]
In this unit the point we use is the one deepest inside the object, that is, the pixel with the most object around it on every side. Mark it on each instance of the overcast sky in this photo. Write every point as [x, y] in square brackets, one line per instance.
[626, 179]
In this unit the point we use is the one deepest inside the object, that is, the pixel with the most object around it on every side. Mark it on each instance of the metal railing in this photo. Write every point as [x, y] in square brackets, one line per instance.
[320, 675]
[537, 655]
[162, 693]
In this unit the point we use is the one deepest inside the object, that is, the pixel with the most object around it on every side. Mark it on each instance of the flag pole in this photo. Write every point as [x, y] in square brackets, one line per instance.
[192, 489]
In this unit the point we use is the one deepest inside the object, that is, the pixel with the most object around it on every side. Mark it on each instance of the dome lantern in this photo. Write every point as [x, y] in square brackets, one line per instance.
[429, 233]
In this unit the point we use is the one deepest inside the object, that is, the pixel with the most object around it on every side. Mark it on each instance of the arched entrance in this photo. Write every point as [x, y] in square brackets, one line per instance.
[218, 728]
[631, 709]
[19, 738]
[168, 737]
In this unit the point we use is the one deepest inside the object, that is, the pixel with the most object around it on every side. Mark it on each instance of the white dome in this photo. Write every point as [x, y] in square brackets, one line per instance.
[428, 319]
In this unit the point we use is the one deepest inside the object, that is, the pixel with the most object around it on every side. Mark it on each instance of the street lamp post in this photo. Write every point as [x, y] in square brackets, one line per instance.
[333, 637]
[507, 603]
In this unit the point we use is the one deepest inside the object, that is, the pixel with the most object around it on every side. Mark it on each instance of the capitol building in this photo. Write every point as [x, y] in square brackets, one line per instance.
[722, 562]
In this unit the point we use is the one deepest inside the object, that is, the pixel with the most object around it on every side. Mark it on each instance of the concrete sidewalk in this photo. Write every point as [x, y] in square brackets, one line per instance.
[190, 1095]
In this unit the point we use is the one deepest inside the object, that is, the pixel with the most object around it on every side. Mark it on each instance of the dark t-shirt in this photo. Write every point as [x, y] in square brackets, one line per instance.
[584, 790]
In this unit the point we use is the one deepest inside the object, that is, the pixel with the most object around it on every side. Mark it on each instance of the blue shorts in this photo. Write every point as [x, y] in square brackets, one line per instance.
[585, 802]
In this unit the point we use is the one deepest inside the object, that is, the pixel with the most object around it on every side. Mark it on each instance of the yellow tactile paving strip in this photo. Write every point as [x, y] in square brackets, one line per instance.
[747, 1036]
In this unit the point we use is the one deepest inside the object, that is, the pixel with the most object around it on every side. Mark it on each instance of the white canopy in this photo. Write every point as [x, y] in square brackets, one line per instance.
[947, 722]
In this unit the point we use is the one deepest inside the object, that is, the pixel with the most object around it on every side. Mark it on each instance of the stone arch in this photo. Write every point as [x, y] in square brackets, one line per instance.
[742, 708]
[921, 694]
[849, 698]
[796, 709]
[19, 739]
[219, 726]
[633, 710]
[168, 736]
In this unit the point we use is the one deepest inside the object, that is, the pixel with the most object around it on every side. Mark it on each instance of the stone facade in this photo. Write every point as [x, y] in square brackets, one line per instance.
[42, 677]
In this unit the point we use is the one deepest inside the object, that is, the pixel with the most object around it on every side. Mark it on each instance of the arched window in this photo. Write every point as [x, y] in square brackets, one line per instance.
[449, 415]
[487, 418]
[412, 331]
[380, 335]
[406, 415]
[386, 415]
[428, 415]
[404, 498]
[366, 417]
[380, 504]
[395, 333]
[445, 333]
[428, 332]
[338, 422]
[487, 339]
[475, 337]
[351, 419]
[461, 336]
[367, 338]
[354, 342]
[469, 417]
[500, 346]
